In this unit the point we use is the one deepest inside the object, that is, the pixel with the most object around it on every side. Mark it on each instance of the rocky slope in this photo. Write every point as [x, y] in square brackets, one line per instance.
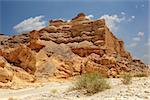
[64, 49]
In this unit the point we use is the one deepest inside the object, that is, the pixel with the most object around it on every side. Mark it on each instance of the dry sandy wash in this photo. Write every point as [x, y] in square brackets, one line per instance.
[139, 89]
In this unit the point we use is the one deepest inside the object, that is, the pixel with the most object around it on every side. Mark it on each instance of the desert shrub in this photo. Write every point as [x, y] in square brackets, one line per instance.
[142, 74]
[127, 77]
[91, 83]
[54, 91]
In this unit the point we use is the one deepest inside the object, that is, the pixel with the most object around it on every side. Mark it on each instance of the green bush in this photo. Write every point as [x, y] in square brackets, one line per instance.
[127, 77]
[91, 83]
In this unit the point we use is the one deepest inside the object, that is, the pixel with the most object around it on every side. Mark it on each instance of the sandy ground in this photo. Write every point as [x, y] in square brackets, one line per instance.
[138, 90]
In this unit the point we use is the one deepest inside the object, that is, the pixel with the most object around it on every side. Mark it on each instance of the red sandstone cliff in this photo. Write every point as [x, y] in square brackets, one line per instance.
[67, 48]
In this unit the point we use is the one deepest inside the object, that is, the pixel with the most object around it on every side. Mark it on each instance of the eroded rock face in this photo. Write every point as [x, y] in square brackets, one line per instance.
[23, 75]
[5, 74]
[68, 48]
[35, 42]
[21, 56]
[81, 29]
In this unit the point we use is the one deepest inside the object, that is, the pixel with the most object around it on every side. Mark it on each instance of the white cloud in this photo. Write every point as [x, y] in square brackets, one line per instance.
[142, 5]
[132, 17]
[145, 56]
[134, 44]
[90, 16]
[148, 43]
[123, 13]
[140, 34]
[136, 38]
[68, 21]
[112, 21]
[29, 24]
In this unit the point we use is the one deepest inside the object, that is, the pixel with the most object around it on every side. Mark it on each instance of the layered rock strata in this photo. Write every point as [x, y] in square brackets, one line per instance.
[68, 48]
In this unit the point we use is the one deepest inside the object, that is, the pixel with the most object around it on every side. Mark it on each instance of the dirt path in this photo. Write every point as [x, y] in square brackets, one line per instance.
[6, 93]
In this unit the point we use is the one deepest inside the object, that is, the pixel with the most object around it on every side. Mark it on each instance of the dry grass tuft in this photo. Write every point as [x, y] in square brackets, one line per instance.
[127, 78]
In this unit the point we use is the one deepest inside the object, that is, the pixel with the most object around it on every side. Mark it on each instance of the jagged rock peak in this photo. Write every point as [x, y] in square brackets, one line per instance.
[79, 15]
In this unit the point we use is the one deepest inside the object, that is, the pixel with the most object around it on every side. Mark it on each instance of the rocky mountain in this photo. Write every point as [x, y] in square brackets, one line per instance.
[64, 49]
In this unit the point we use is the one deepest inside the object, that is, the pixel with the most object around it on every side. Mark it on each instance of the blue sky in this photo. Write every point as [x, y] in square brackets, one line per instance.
[130, 18]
